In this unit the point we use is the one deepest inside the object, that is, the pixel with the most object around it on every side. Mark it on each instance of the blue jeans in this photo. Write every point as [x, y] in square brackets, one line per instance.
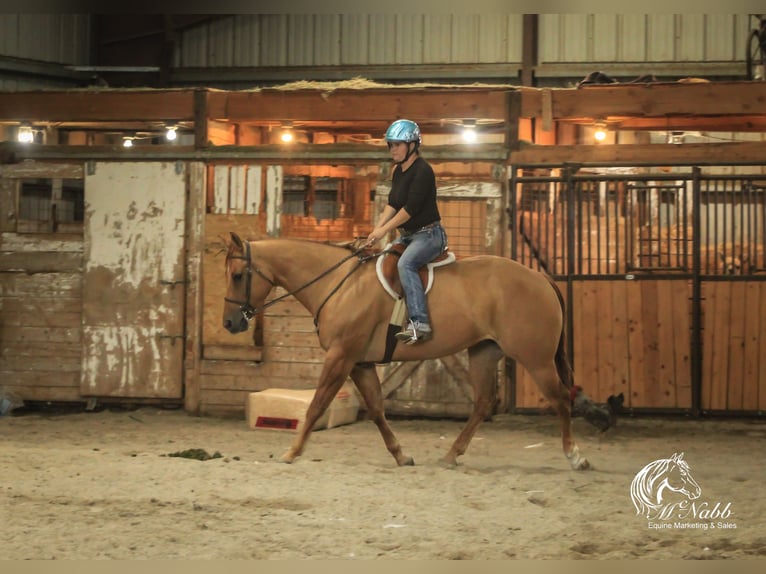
[421, 247]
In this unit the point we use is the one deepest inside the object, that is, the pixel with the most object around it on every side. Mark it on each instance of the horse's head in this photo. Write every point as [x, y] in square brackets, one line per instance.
[678, 478]
[649, 485]
[245, 284]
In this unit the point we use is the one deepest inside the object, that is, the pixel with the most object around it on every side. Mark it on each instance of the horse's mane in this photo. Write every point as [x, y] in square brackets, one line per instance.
[643, 489]
[353, 245]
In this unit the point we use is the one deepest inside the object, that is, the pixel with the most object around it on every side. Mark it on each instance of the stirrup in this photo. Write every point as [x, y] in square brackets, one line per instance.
[415, 332]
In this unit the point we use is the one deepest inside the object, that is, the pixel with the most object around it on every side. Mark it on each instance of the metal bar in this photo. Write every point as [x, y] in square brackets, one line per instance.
[513, 193]
[695, 353]
[570, 249]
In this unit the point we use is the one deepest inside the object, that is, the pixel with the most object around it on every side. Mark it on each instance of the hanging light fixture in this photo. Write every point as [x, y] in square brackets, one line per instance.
[171, 134]
[469, 131]
[127, 141]
[675, 137]
[287, 134]
[600, 134]
[25, 134]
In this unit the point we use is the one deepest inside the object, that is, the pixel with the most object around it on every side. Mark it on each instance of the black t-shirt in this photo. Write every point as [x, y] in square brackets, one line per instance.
[415, 191]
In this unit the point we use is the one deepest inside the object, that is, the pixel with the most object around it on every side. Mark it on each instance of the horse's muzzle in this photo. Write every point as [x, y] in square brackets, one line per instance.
[235, 326]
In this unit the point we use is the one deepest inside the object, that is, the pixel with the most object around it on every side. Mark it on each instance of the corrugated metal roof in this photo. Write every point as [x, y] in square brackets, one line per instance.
[62, 38]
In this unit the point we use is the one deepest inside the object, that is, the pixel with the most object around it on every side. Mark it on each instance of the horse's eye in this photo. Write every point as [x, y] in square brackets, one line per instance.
[236, 276]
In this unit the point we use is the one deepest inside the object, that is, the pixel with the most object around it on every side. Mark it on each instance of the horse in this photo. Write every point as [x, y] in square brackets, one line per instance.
[490, 305]
[667, 474]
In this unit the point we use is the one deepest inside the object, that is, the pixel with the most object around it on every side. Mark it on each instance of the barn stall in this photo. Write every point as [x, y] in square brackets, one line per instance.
[112, 271]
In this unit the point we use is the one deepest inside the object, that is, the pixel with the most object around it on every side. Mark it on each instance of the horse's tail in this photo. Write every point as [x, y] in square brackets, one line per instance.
[563, 366]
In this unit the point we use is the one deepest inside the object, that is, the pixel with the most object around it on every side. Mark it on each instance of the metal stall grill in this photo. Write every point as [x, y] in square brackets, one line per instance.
[664, 276]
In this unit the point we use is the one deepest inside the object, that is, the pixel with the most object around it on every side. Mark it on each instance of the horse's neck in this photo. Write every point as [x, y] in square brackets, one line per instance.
[297, 264]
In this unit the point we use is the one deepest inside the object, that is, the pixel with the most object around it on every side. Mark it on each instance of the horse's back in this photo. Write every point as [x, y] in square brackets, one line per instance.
[496, 290]
[500, 272]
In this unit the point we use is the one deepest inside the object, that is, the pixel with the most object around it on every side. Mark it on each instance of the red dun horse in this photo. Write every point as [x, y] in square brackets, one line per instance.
[492, 306]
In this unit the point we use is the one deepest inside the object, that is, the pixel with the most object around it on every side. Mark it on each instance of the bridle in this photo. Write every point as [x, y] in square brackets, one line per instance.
[248, 310]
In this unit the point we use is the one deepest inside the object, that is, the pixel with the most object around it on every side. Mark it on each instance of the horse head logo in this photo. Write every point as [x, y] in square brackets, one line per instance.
[658, 479]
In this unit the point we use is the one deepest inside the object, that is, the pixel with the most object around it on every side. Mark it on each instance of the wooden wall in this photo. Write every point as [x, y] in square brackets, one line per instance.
[634, 337]
[40, 297]
[734, 346]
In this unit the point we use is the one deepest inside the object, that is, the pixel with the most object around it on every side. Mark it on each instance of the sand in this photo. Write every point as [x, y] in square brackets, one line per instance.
[99, 485]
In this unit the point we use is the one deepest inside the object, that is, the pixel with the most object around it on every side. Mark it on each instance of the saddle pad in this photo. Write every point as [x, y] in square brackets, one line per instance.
[388, 274]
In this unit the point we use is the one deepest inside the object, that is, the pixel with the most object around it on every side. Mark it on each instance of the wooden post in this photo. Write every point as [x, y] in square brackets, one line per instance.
[200, 118]
[512, 115]
[195, 241]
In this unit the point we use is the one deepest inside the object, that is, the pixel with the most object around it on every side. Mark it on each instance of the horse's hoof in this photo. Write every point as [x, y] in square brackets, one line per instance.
[576, 460]
[448, 462]
[287, 458]
[406, 461]
[582, 464]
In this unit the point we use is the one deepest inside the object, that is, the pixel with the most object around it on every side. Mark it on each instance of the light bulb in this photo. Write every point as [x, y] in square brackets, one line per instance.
[127, 142]
[469, 135]
[600, 134]
[25, 134]
[287, 136]
[171, 134]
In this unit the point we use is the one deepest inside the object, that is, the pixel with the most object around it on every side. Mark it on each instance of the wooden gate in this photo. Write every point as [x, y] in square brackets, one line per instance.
[134, 280]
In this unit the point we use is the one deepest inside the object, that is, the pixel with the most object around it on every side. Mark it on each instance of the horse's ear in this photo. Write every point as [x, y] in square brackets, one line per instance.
[235, 238]
[678, 457]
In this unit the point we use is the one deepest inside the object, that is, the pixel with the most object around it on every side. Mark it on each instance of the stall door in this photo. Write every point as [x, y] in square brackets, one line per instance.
[133, 284]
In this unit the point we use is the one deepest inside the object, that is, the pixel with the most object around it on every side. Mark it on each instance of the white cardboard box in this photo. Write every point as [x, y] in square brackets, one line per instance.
[285, 409]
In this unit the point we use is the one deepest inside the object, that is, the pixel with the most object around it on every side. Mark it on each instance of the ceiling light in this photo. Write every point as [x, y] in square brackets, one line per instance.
[171, 134]
[675, 137]
[25, 134]
[287, 135]
[469, 132]
[127, 142]
[600, 134]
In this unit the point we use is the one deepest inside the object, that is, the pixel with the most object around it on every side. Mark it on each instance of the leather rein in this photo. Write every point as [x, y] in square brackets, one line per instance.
[247, 308]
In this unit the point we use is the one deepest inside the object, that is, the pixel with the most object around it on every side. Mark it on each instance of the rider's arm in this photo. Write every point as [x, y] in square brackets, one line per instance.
[389, 220]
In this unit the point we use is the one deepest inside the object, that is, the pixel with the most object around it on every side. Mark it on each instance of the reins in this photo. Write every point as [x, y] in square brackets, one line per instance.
[249, 310]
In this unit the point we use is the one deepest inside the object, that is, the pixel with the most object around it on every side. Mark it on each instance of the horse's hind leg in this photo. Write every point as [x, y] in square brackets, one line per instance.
[482, 367]
[334, 372]
[367, 381]
[553, 389]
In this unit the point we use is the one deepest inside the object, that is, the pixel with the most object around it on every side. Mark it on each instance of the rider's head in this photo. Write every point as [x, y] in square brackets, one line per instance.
[404, 131]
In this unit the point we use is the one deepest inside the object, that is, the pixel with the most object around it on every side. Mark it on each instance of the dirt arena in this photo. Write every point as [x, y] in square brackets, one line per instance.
[101, 486]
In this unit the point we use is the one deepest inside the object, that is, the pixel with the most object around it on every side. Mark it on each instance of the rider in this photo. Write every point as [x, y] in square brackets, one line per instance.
[412, 209]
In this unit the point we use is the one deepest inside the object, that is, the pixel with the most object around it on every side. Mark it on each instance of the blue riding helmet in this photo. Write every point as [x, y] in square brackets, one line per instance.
[403, 131]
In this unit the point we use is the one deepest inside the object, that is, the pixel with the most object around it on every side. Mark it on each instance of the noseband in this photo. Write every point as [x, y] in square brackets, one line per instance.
[245, 306]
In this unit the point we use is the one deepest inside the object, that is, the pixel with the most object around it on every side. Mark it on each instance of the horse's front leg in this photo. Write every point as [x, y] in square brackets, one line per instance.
[367, 381]
[334, 373]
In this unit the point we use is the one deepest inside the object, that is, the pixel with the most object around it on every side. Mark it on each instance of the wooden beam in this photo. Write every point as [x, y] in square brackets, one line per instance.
[278, 154]
[385, 105]
[513, 109]
[649, 100]
[738, 153]
[99, 105]
[742, 123]
[529, 29]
